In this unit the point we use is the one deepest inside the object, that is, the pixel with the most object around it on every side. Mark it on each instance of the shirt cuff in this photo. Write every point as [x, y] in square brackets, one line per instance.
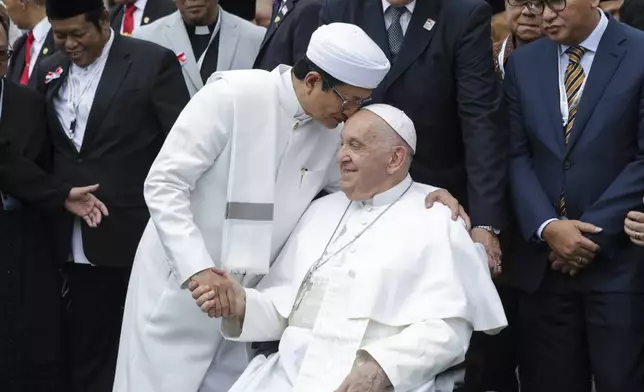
[543, 226]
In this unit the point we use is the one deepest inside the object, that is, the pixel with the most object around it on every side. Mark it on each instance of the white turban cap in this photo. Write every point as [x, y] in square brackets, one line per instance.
[347, 53]
[398, 120]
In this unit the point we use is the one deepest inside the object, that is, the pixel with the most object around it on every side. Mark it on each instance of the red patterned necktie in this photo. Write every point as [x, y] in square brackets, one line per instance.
[128, 21]
[24, 78]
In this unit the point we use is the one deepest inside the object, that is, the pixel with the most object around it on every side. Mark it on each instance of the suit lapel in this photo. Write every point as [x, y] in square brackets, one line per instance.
[52, 89]
[548, 84]
[608, 57]
[116, 68]
[374, 24]
[48, 48]
[150, 12]
[228, 38]
[180, 42]
[18, 60]
[272, 28]
[117, 18]
[417, 37]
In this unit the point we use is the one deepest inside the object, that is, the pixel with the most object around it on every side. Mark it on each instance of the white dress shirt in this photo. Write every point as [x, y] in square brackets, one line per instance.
[138, 14]
[84, 82]
[40, 35]
[404, 19]
[591, 43]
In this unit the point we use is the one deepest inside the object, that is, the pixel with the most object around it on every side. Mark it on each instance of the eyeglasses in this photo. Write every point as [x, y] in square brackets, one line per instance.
[536, 7]
[5, 54]
[346, 104]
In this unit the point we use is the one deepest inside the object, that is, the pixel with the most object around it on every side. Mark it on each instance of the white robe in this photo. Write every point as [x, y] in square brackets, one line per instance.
[167, 343]
[409, 292]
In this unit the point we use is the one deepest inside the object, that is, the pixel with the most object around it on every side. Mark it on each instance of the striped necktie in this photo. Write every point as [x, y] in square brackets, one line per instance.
[573, 82]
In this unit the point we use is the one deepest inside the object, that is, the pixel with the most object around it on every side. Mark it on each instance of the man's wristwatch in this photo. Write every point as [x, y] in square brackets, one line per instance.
[489, 229]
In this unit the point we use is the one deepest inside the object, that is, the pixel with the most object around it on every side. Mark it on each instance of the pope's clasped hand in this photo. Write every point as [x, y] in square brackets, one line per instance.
[218, 294]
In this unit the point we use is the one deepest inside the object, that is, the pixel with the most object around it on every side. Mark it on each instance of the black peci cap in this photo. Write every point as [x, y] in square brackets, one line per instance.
[65, 9]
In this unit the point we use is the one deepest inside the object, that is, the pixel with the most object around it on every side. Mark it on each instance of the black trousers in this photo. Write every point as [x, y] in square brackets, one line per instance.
[569, 335]
[91, 323]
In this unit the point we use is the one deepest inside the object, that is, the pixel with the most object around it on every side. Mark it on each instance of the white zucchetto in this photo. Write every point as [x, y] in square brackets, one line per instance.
[347, 53]
[398, 120]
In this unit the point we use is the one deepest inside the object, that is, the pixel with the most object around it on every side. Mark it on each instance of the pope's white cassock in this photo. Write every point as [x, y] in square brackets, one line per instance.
[247, 124]
[409, 291]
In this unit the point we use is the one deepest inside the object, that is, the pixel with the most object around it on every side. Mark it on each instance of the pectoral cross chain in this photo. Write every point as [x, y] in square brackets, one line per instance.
[305, 287]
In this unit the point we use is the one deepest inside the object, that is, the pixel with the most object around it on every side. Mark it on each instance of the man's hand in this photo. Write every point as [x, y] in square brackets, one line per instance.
[445, 198]
[567, 267]
[492, 248]
[82, 203]
[634, 227]
[366, 376]
[217, 294]
[566, 239]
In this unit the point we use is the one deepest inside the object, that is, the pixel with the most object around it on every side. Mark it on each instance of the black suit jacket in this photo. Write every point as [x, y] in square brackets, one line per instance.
[18, 58]
[154, 9]
[140, 95]
[285, 42]
[24, 149]
[29, 283]
[444, 80]
[243, 8]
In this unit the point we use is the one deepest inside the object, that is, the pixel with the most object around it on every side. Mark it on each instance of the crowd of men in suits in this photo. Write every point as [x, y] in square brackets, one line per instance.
[546, 156]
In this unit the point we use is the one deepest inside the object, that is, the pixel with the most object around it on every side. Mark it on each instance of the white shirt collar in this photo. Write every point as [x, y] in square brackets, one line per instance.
[390, 195]
[410, 6]
[41, 30]
[140, 4]
[591, 43]
[205, 30]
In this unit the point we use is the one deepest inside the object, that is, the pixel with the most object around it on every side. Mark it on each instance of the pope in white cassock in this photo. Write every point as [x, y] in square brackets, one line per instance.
[372, 292]
[237, 171]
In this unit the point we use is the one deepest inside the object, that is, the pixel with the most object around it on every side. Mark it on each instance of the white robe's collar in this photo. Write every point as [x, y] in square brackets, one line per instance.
[288, 98]
[389, 196]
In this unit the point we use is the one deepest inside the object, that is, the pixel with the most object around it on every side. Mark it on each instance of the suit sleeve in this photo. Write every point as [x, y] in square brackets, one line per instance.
[479, 104]
[307, 23]
[624, 194]
[197, 139]
[326, 13]
[527, 195]
[170, 93]
[24, 180]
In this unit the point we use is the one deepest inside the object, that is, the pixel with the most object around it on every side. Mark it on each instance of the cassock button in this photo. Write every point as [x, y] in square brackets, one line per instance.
[363, 223]
[369, 209]
[296, 125]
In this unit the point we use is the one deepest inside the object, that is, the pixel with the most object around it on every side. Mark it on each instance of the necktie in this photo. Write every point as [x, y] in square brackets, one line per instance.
[395, 31]
[573, 81]
[128, 21]
[24, 78]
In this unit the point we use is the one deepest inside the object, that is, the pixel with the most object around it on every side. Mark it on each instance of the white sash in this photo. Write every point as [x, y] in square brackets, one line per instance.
[247, 231]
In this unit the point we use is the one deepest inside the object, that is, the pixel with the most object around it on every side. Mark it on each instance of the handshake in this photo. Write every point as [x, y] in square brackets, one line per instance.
[218, 294]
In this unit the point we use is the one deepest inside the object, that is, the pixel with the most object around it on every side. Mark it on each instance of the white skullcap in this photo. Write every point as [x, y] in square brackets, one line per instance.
[398, 120]
[347, 53]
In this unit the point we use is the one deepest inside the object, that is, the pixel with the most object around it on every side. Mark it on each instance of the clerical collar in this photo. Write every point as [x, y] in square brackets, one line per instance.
[204, 30]
[288, 98]
[389, 196]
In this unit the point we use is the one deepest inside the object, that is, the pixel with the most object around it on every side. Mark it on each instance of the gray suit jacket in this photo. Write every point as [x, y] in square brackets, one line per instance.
[239, 42]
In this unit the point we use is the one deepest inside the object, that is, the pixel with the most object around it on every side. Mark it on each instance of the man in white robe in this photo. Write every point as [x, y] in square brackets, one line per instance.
[239, 168]
[372, 290]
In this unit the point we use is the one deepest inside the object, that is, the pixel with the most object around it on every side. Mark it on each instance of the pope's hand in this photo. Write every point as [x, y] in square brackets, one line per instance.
[634, 227]
[82, 203]
[445, 198]
[217, 294]
[366, 376]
